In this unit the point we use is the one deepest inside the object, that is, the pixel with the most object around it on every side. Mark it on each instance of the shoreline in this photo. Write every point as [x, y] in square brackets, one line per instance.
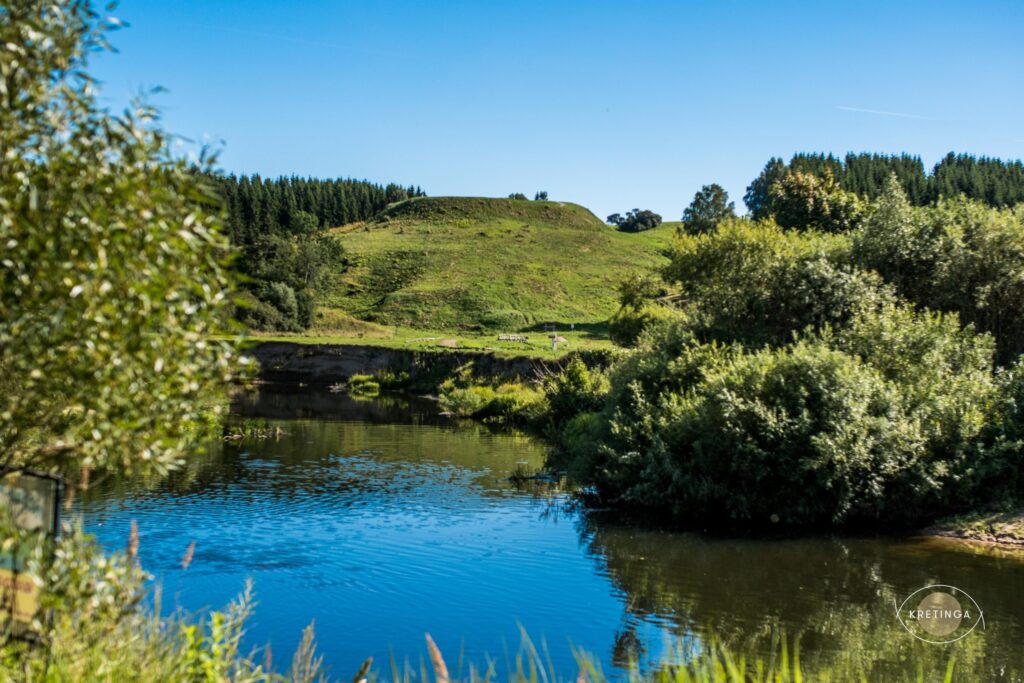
[1004, 530]
[321, 364]
[328, 363]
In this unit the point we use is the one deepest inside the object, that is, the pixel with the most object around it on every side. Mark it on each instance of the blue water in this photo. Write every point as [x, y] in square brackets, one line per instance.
[381, 521]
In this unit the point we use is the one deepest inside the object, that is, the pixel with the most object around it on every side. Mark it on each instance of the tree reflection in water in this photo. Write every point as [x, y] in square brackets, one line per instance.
[836, 596]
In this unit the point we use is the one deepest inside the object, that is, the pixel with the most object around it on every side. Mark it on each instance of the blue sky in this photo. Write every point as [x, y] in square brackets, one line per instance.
[608, 104]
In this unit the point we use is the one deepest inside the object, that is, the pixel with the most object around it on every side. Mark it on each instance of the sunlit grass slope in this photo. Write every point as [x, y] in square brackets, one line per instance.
[465, 263]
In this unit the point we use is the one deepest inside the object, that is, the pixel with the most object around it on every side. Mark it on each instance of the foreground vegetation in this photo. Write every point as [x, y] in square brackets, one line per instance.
[114, 281]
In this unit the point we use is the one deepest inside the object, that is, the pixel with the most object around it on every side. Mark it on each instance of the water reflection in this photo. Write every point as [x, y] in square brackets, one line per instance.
[836, 594]
[382, 520]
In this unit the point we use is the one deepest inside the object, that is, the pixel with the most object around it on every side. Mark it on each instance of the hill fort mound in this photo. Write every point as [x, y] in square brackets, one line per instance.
[471, 263]
[454, 209]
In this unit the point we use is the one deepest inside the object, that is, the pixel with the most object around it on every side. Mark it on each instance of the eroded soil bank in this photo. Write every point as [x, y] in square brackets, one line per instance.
[325, 364]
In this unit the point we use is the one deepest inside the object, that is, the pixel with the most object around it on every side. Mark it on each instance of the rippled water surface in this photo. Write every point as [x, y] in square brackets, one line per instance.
[381, 521]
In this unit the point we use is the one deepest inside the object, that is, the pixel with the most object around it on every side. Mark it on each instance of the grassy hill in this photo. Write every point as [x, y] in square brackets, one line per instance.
[464, 263]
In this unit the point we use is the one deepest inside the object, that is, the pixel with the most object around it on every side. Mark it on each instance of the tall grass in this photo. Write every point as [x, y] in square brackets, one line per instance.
[713, 663]
[148, 648]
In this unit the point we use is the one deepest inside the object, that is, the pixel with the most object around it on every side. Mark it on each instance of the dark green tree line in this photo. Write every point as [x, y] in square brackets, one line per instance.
[284, 254]
[262, 205]
[995, 182]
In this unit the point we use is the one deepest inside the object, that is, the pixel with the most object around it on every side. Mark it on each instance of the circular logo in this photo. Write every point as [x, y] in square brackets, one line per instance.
[939, 614]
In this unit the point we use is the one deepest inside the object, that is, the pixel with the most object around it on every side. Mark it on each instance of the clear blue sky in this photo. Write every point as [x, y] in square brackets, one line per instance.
[608, 104]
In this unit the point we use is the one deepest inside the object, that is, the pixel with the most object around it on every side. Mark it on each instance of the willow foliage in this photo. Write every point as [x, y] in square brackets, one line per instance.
[113, 271]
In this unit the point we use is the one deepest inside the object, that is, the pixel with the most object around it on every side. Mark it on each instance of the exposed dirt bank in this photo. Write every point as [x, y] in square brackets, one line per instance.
[330, 363]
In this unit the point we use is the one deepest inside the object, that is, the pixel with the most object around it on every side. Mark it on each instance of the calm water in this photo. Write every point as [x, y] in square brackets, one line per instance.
[381, 521]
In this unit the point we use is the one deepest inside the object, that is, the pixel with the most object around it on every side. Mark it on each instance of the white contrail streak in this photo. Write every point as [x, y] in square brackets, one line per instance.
[883, 113]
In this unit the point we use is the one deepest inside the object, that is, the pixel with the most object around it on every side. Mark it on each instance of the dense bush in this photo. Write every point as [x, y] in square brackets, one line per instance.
[282, 273]
[509, 402]
[629, 323]
[638, 309]
[956, 256]
[887, 417]
[806, 434]
[576, 389]
[465, 401]
[757, 284]
[800, 435]
[1000, 472]
[809, 202]
[944, 373]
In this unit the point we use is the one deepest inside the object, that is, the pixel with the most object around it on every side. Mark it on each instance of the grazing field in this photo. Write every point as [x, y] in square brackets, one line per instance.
[479, 266]
[536, 345]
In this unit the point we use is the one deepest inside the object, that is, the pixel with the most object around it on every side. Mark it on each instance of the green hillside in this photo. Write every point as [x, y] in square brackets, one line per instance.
[465, 263]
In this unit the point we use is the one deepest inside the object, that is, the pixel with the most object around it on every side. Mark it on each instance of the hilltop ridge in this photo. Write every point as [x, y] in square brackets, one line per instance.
[475, 263]
[449, 209]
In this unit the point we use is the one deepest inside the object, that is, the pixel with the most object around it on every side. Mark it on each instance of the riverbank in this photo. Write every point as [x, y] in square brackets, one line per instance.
[1004, 529]
[331, 363]
[462, 376]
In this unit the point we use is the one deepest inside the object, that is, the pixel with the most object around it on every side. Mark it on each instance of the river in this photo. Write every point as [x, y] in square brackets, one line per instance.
[380, 521]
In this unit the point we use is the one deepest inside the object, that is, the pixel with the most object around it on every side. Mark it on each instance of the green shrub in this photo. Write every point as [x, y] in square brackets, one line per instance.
[804, 435]
[275, 306]
[884, 420]
[897, 241]
[806, 201]
[516, 402]
[363, 385]
[393, 379]
[576, 389]
[943, 371]
[755, 284]
[509, 402]
[956, 256]
[579, 441]
[628, 324]
[258, 315]
[466, 401]
[282, 297]
[1000, 465]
